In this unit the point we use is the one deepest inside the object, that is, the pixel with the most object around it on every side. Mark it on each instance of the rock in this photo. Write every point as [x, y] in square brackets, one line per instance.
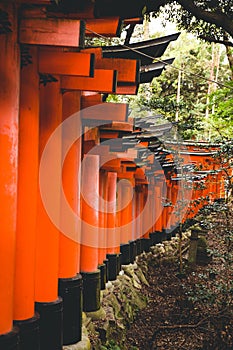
[96, 315]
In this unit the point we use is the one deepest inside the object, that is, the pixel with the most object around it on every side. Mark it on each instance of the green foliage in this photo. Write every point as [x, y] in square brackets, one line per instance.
[185, 18]
[221, 120]
[111, 345]
[161, 95]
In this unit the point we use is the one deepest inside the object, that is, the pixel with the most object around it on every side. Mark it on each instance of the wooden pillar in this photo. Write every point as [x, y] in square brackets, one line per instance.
[48, 304]
[174, 193]
[27, 205]
[158, 206]
[138, 210]
[102, 217]
[113, 237]
[90, 215]
[113, 242]
[169, 206]
[126, 212]
[69, 250]
[102, 251]
[70, 283]
[47, 233]
[9, 101]
[125, 215]
[89, 238]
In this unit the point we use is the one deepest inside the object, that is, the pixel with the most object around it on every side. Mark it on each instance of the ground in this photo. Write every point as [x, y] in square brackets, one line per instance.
[192, 310]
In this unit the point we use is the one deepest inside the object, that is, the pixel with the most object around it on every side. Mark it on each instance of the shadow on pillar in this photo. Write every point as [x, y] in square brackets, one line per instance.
[70, 290]
[51, 324]
[10, 341]
[29, 333]
[91, 291]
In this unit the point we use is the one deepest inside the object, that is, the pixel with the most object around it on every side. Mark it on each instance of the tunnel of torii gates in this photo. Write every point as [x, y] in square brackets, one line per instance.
[104, 189]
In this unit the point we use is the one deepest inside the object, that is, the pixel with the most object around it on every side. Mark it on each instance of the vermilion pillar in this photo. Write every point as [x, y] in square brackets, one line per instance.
[113, 239]
[102, 251]
[48, 304]
[125, 197]
[102, 217]
[168, 208]
[70, 283]
[9, 101]
[147, 218]
[27, 205]
[158, 206]
[89, 238]
[69, 263]
[138, 216]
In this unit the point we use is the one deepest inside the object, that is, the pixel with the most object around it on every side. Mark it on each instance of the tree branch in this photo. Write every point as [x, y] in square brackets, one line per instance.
[129, 33]
[217, 41]
[216, 17]
[220, 19]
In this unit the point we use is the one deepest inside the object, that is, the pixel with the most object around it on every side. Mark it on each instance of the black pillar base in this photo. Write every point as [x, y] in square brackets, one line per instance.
[156, 237]
[106, 262]
[163, 234]
[125, 254]
[153, 237]
[10, 341]
[132, 251]
[112, 267]
[118, 263]
[70, 289]
[139, 246]
[50, 322]
[168, 234]
[29, 337]
[103, 275]
[173, 231]
[146, 244]
[91, 291]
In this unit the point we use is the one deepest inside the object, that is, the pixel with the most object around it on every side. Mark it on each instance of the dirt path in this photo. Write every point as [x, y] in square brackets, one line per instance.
[191, 312]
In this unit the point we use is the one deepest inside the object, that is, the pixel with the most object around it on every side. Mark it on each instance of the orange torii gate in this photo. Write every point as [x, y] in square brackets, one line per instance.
[52, 33]
[41, 268]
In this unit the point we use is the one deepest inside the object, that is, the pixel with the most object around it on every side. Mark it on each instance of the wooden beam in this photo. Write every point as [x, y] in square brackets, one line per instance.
[90, 100]
[128, 69]
[51, 31]
[103, 81]
[127, 89]
[66, 63]
[135, 20]
[118, 126]
[110, 27]
[96, 50]
[107, 111]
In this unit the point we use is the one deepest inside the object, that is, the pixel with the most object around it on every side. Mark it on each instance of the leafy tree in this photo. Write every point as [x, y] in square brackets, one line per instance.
[211, 20]
[221, 120]
[194, 57]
